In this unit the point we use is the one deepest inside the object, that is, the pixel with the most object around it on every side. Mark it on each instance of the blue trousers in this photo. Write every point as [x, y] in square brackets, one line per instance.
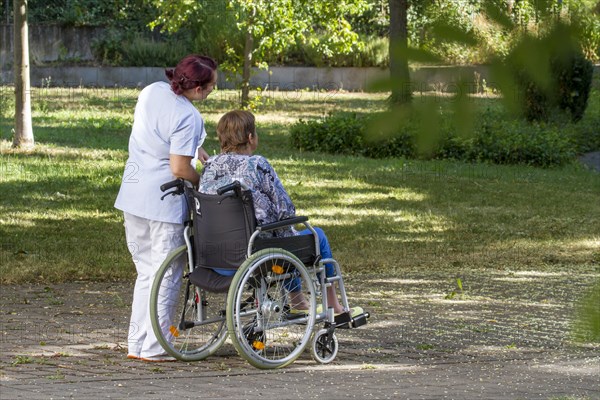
[294, 284]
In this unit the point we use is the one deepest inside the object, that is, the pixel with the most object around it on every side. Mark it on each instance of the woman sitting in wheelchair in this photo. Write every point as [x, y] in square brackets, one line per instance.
[236, 131]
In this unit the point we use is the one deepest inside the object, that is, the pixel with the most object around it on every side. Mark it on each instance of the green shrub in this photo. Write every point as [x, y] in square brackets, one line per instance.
[588, 33]
[573, 74]
[551, 73]
[142, 52]
[107, 49]
[402, 144]
[373, 52]
[503, 141]
[454, 148]
[346, 133]
[500, 139]
[534, 99]
[586, 133]
[122, 49]
[337, 134]
[497, 138]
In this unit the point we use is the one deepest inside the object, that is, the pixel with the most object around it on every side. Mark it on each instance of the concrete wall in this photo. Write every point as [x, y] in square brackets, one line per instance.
[49, 43]
[442, 79]
[6, 46]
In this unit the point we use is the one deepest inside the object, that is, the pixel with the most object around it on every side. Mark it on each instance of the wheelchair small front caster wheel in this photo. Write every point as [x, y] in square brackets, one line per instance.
[324, 346]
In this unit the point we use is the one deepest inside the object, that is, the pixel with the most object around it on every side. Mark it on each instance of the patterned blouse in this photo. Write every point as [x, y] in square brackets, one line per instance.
[271, 201]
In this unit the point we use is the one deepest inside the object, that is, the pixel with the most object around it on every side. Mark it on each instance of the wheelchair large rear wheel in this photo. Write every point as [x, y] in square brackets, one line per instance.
[263, 328]
[188, 322]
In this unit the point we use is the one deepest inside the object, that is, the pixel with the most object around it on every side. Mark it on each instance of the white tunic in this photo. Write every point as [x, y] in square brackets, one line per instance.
[164, 124]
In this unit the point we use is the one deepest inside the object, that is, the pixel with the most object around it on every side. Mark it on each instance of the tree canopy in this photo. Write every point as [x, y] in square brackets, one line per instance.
[250, 31]
[209, 25]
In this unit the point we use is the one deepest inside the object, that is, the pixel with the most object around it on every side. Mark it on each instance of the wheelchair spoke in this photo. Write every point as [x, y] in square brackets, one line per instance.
[264, 333]
[188, 322]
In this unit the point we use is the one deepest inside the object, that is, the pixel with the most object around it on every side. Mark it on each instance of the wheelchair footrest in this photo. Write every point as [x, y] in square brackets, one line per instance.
[345, 321]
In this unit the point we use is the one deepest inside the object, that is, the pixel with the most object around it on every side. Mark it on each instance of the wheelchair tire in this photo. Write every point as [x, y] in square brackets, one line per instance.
[324, 346]
[262, 327]
[190, 323]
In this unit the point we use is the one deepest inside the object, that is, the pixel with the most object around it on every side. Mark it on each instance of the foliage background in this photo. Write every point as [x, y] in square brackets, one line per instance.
[130, 42]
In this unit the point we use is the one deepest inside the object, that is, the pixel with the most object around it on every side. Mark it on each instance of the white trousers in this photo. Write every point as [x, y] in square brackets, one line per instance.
[149, 243]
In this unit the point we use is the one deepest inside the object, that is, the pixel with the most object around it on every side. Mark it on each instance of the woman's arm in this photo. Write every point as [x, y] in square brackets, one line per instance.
[181, 167]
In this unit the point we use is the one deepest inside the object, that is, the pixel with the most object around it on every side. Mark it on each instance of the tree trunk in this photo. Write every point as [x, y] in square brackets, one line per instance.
[23, 128]
[399, 72]
[248, 47]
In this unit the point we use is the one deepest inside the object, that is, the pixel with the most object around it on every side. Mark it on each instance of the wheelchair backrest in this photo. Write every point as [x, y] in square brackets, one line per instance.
[223, 225]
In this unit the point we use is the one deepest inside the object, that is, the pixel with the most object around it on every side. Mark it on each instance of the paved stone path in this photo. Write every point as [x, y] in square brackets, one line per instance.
[505, 336]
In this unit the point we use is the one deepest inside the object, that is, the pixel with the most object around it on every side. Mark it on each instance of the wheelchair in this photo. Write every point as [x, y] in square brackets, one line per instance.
[194, 309]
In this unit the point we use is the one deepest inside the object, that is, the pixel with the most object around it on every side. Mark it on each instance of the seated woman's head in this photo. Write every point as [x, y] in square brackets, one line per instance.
[237, 132]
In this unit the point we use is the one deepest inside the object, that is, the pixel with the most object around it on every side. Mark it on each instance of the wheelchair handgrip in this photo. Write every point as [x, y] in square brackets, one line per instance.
[232, 186]
[282, 223]
[166, 186]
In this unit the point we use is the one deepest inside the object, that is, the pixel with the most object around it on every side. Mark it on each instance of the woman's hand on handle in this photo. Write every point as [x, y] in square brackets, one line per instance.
[202, 155]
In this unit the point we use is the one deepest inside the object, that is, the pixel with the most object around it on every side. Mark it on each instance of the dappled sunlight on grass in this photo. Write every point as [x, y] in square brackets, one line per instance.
[390, 215]
[57, 215]
[282, 119]
[16, 219]
[68, 117]
[211, 118]
[367, 198]
[375, 222]
[53, 152]
[545, 253]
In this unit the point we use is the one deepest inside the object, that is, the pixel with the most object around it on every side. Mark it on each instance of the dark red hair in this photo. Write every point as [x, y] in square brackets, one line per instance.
[192, 71]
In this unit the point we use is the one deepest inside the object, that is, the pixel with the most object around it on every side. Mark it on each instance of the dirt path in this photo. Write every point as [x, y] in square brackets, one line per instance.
[505, 335]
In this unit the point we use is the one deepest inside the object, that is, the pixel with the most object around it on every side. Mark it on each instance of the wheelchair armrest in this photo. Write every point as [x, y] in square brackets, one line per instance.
[282, 223]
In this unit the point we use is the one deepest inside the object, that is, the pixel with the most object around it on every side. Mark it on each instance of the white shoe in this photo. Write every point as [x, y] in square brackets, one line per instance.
[159, 358]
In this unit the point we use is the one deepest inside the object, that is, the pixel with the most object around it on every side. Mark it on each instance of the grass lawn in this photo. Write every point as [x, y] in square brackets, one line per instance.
[57, 221]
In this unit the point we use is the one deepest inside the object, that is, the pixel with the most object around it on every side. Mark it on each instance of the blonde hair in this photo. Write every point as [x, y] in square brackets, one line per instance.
[233, 129]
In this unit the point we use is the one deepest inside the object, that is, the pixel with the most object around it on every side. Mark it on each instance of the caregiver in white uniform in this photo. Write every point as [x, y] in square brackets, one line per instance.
[165, 139]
